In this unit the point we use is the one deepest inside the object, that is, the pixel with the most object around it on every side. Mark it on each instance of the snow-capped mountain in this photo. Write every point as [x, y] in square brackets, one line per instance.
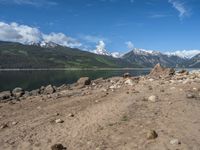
[149, 58]
[101, 50]
[188, 54]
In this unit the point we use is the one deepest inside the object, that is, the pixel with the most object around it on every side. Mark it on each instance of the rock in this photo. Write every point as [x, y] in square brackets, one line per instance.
[27, 94]
[150, 87]
[59, 121]
[153, 98]
[5, 95]
[175, 142]
[151, 135]
[183, 72]
[151, 80]
[3, 126]
[49, 89]
[115, 86]
[18, 92]
[14, 123]
[126, 75]
[35, 92]
[172, 88]
[84, 81]
[63, 87]
[159, 71]
[129, 82]
[58, 147]
[71, 115]
[190, 95]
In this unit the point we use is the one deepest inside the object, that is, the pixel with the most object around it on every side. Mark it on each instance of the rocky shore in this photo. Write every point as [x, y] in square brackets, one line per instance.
[154, 112]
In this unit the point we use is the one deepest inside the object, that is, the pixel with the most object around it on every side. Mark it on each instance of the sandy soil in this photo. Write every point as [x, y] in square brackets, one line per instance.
[107, 115]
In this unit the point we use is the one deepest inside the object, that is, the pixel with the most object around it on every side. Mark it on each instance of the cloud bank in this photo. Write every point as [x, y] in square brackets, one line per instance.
[24, 34]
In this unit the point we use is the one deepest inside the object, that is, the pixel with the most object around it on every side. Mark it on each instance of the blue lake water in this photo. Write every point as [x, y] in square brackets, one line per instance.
[34, 79]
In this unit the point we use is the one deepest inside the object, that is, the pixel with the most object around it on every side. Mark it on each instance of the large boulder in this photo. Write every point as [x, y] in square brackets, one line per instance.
[5, 95]
[84, 81]
[18, 92]
[126, 75]
[35, 92]
[159, 71]
[49, 89]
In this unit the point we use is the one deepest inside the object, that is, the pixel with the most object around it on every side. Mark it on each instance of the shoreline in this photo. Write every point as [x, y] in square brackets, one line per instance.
[73, 69]
[89, 69]
[146, 112]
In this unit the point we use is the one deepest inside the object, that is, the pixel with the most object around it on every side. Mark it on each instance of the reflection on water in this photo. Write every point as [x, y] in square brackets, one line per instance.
[30, 80]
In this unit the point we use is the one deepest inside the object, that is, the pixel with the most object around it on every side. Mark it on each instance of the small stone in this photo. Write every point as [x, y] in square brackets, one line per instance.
[5, 95]
[150, 88]
[71, 115]
[152, 135]
[49, 89]
[162, 90]
[129, 82]
[151, 80]
[153, 98]
[172, 88]
[14, 123]
[175, 142]
[195, 89]
[190, 96]
[59, 121]
[58, 147]
[3, 126]
[57, 114]
[39, 107]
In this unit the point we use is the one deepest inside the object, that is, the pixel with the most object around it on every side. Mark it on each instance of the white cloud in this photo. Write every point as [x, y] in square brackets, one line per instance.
[156, 16]
[24, 34]
[130, 45]
[92, 39]
[19, 33]
[61, 39]
[180, 7]
[184, 53]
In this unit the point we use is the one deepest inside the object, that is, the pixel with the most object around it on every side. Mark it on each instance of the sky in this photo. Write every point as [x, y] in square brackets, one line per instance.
[164, 25]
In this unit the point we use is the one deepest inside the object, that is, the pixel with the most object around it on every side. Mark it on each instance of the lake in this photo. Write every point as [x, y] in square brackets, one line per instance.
[33, 79]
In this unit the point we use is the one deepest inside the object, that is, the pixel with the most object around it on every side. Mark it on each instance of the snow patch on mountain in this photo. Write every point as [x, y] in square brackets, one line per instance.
[116, 55]
[101, 49]
[145, 52]
[187, 54]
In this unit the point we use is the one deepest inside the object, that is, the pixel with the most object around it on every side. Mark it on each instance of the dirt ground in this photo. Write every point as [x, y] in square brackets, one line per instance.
[110, 114]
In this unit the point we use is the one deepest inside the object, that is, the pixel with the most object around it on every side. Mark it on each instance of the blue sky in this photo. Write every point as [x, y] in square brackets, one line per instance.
[164, 25]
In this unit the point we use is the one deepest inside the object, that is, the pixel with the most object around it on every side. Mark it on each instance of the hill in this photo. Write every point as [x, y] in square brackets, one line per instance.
[16, 55]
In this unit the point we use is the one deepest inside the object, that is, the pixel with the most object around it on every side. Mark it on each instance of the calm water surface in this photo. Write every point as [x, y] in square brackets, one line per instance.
[30, 80]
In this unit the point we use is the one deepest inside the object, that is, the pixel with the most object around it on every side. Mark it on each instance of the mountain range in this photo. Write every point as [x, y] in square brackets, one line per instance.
[51, 55]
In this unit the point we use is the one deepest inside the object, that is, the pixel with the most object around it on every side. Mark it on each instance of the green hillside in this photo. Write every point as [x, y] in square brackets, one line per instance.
[15, 55]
